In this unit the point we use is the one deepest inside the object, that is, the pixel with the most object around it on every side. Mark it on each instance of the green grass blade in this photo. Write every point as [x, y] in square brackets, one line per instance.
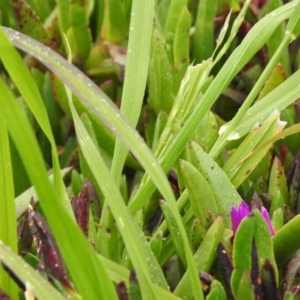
[138, 248]
[258, 135]
[278, 99]
[41, 288]
[72, 243]
[204, 41]
[8, 224]
[18, 72]
[135, 74]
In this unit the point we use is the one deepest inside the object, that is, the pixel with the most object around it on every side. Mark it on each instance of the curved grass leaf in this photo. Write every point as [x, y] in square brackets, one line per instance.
[18, 71]
[138, 248]
[73, 245]
[8, 224]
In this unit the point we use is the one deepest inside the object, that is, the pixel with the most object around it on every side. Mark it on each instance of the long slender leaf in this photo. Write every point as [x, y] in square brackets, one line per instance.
[18, 71]
[8, 224]
[73, 246]
[138, 248]
[135, 74]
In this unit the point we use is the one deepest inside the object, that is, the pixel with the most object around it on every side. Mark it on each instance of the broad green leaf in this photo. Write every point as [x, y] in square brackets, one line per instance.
[224, 192]
[285, 241]
[241, 254]
[63, 18]
[204, 41]
[197, 233]
[41, 288]
[156, 243]
[30, 24]
[245, 288]
[207, 132]
[181, 48]
[114, 27]
[79, 34]
[277, 219]
[160, 75]
[276, 78]
[174, 12]
[201, 195]
[217, 291]
[264, 243]
[8, 224]
[253, 228]
[277, 180]
[204, 257]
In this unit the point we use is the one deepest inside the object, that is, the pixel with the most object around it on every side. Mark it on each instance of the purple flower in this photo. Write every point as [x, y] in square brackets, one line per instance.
[239, 213]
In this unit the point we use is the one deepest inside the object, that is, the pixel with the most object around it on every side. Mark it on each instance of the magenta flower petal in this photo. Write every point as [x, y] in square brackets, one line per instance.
[266, 216]
[238, 214]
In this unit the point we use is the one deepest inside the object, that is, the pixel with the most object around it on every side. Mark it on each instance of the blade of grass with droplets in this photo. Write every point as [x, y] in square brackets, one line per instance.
[99, 104]
[28, 89]
[72, 243]
[135, 73]
[136, 244]
[134, 82]
[254, 41]
[42, 289]
[8, 224]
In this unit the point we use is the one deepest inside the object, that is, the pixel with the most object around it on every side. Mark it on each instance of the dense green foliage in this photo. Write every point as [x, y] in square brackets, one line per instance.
[130, 133]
